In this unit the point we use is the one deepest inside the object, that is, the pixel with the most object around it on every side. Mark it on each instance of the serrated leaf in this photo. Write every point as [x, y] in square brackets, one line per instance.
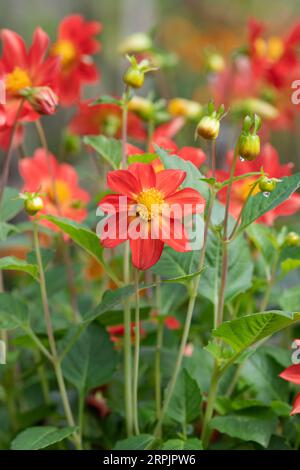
[39, 437]
[13, 312]
[249, 329]
[12, 263]
[179, 444]
[185, 403]
[91, 361]
[258, 205]
[141, 442]
[110, 149]
[142, 158]
[257, 426]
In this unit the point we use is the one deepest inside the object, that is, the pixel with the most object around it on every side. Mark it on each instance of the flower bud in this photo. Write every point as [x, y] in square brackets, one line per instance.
[215, 62]
[267, 184]
[208, 127]
[249, 142]
[249, 147]
[186, 108]
[43, 99]
[134, 77]
[33, 204]
[292, 239]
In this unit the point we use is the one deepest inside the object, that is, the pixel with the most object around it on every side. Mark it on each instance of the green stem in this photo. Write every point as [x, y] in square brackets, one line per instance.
[271, 282]
[159, 343]
[136, 353]
[236, 226]
[210, 406]
[81, 403]
[124, 127]
[188, 320]
[52, 343]
[150, 133]
[127, 350]
[213, 157]
[43, 379]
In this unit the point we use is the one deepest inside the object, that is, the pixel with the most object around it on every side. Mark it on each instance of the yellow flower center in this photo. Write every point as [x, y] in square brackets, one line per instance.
[66, 51]
[17, 80]
[59, 191]
[149, 202]
[245, 188]
[272, 49]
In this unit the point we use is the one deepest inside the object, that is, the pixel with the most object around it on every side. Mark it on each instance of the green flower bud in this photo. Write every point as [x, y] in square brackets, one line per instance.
[33, 204]
[292, 239]
[267, 184]
[208, 127]
[134, 77]
[248, 146]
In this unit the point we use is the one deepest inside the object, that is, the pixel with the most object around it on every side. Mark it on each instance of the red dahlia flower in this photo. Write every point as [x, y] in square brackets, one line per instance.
[292, 374]
[269, 160]
[274, 59]
[147, 215]
[20, 69]
[75, 46]
[105, 119]
[58, 182]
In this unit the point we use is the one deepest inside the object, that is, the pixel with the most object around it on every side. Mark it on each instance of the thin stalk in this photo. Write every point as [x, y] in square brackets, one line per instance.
[136, 353]
[43, 379]
[52, 343]
[271, 282]
[210, 406]
[127, 350]
[150, 133]
[159, 343]
[213, 157]
[9, 154]
[65, 252]
[124, 127]
[188, 320]
[236, 226]
[81, 414]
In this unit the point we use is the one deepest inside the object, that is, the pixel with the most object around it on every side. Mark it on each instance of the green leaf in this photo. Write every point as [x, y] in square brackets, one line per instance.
[92, 360]
[193, 175]
[107, 99]
[141, 442]
[85, 238]
[240, 269]
[258, 205]
[185, 403]
[249, 425]
[13, 312]
[6, 229]
[142, 158]
[249, 329]
[110, 149]
[10, 205]
[39, 437]
[178, 444]
[110, 300]
[14, 264]
[289, 299]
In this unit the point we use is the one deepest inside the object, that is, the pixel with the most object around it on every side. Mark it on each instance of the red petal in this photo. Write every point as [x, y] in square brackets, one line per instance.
[133, 150]
[38, 49]
[145, 252]
[115, 203]
[144, 174]
[193, 155]
[114, 230]
[291, 374]
[189, 201]
[167, 181]
[124, 182]
[170, 129]
[14, 50]
[296, 406]
[174, 234]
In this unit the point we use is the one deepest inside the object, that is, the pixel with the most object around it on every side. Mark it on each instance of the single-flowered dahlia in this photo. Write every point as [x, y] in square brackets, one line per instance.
[105, 119]
[148, 210]
[269, 160]
[75, 46]
[276, 58]
[21, 69]
[58, 185]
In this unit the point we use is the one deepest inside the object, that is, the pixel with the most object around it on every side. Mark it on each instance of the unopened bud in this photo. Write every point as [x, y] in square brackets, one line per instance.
[249, 147]
[208, 127]
[267, 184]
[134, 77]
[292, 239]
[215, 62]
[33, 203]
[42, 99]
